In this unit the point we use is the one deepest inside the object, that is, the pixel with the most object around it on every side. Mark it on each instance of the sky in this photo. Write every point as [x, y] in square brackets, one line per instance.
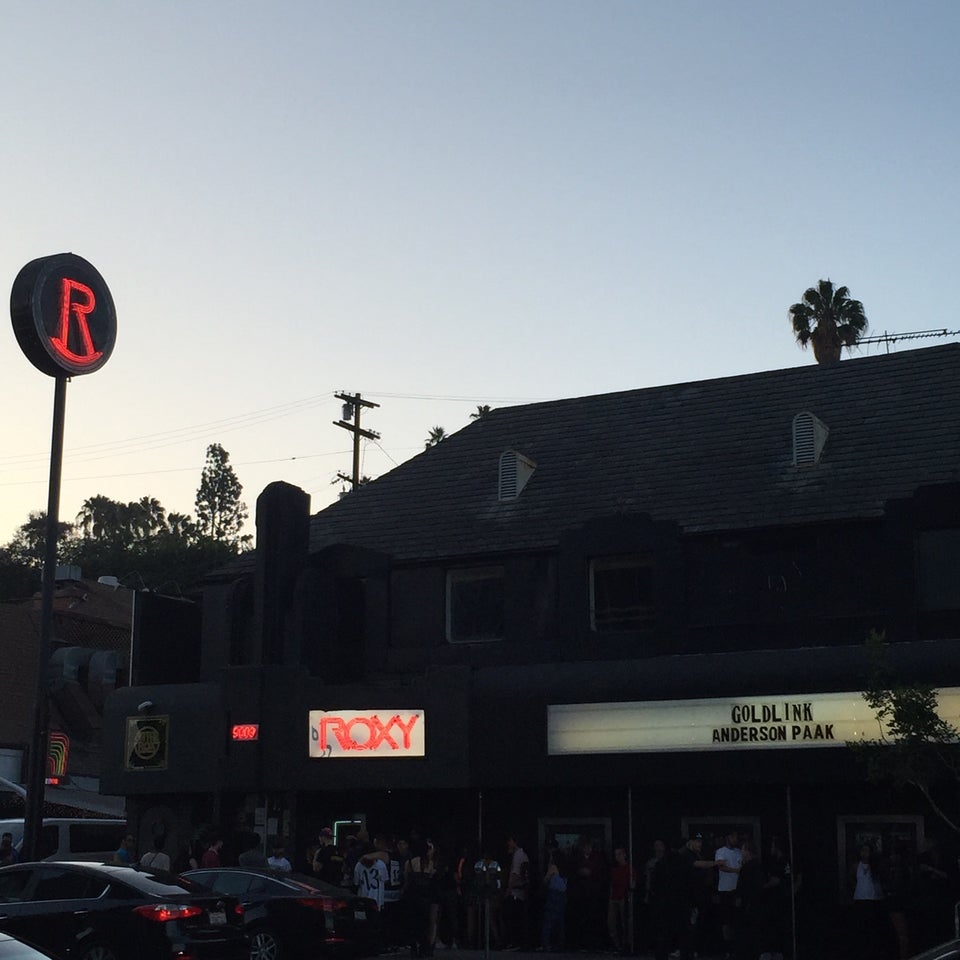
[446, 203]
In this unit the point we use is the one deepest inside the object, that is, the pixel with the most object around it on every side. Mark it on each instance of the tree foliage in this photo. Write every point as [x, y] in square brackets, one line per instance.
[437, 435]
[914, 745]
[829, 319]
[220, 512]
[138, 542]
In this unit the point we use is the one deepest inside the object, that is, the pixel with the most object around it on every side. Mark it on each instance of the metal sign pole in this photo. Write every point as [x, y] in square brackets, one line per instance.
[37, 775]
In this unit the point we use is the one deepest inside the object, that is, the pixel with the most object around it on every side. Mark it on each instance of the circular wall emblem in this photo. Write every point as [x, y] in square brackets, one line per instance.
[63, 315]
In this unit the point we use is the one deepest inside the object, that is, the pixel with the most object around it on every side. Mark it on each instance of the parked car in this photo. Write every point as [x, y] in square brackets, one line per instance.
[288, 915]
[946, 951]
[71, 838]
[88, 911]
[13, 949]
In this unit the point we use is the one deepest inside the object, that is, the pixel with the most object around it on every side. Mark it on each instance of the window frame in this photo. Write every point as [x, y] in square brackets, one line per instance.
[629, 561]
[458, 575]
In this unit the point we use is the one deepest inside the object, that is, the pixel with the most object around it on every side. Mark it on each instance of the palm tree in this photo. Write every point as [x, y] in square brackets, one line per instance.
[436, 435]
[481, 411]
[829, 319]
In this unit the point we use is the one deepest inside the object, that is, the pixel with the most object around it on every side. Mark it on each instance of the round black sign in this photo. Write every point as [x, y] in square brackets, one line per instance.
[63, 315]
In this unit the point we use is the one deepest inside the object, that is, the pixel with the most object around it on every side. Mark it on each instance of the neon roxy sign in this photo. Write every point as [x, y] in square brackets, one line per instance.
[362, 734]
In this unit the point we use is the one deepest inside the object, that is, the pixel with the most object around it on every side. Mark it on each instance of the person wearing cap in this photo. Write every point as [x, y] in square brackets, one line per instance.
[696, 891]
[327, 861]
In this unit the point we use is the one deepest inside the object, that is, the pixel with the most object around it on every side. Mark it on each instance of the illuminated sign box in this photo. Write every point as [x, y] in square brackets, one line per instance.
[362, 734]
[744, 723]
[242, 732]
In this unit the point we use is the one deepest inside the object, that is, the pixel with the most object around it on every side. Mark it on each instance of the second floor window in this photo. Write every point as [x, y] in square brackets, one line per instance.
[621, 594]
[475, 604]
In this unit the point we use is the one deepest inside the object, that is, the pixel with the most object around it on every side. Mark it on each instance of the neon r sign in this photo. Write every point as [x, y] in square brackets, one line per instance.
[63, 315]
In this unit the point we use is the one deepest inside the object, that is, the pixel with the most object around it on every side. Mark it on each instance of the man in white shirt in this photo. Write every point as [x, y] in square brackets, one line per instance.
[370, 877]
[278, 861]
[729, 861]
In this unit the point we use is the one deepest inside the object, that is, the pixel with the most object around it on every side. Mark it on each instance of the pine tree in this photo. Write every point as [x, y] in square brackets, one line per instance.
[220, 511]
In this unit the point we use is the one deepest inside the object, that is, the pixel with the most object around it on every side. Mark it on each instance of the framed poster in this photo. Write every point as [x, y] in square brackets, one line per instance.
[882, 833]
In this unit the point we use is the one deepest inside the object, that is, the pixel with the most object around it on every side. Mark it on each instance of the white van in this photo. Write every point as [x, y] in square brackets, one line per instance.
[64, 838]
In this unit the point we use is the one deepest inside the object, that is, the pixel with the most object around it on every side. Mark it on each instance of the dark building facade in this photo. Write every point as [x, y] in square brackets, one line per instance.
[627, 616]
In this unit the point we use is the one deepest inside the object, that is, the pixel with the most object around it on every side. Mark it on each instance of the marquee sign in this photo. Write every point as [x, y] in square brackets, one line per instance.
[63, 315]
[362, 734]
[743, 723]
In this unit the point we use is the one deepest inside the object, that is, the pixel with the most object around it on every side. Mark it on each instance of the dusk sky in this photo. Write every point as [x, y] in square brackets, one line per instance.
[446, 204]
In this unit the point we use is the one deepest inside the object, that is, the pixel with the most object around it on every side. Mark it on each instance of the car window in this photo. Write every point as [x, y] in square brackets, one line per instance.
[233, 884]
[49, 841]
[92, 837]
[13, 883]
[58, 884]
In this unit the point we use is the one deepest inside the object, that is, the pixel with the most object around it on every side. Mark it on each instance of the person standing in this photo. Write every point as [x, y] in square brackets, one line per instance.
[278, 861]
[370, 877]
[123, 855]
[622, 882]
[516, 895]
[211, 856]
[253, 857]
[695, 891]
[552, 935]
[729, 859]
[327, 861]
[157, 858]
[7, 853]
[868, 905]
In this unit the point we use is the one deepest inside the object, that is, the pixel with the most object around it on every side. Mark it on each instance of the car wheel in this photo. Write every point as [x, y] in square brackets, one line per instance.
[265, 945]
[97, 951]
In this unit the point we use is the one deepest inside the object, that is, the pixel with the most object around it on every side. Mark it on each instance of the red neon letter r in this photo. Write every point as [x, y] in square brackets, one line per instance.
[79, 309]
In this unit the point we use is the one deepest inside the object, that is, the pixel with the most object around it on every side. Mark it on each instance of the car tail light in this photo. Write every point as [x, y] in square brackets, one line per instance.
[162, 912]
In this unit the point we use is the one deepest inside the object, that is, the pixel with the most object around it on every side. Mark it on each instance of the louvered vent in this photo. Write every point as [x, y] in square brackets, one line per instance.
[809, 437]
[515, 471]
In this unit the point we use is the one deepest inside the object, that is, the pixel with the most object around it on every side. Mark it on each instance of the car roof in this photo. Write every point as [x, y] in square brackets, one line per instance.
[154, 883]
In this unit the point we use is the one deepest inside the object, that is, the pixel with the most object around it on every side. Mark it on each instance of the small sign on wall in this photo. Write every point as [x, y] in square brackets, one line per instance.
[147, 740]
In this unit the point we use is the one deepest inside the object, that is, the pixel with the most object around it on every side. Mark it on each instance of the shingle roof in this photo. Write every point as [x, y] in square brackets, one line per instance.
[708, 455]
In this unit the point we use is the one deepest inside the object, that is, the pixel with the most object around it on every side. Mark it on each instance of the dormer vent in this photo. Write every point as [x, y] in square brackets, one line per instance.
[515, 471]
[809, 437]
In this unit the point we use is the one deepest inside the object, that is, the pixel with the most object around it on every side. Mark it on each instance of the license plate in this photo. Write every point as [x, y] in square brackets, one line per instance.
[359, 914]
[217, 917]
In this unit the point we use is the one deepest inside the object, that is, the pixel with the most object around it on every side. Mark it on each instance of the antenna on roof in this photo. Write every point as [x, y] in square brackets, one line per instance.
[889, 338]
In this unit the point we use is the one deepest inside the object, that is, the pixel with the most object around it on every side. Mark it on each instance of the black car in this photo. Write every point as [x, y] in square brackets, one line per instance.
[13, 949]
[290, 915]
[89, 911]
[946, 951]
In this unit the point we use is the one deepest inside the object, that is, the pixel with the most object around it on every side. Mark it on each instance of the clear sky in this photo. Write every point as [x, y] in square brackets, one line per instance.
[447, 203]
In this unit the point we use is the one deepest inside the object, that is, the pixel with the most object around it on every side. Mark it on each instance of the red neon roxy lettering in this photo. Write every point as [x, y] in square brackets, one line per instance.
[377, 732]
[78, 307]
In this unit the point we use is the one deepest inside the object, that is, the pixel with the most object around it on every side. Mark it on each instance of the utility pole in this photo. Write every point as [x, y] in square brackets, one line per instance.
[351, 407]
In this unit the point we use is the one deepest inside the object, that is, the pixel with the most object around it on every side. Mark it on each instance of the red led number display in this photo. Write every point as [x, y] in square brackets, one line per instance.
[63, 315]
[246, 731]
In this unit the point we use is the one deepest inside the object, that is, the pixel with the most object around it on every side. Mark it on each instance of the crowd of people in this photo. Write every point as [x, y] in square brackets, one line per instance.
[702, 897]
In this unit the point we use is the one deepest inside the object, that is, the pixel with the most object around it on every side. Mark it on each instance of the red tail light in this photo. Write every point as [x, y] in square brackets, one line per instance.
[162, 912]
